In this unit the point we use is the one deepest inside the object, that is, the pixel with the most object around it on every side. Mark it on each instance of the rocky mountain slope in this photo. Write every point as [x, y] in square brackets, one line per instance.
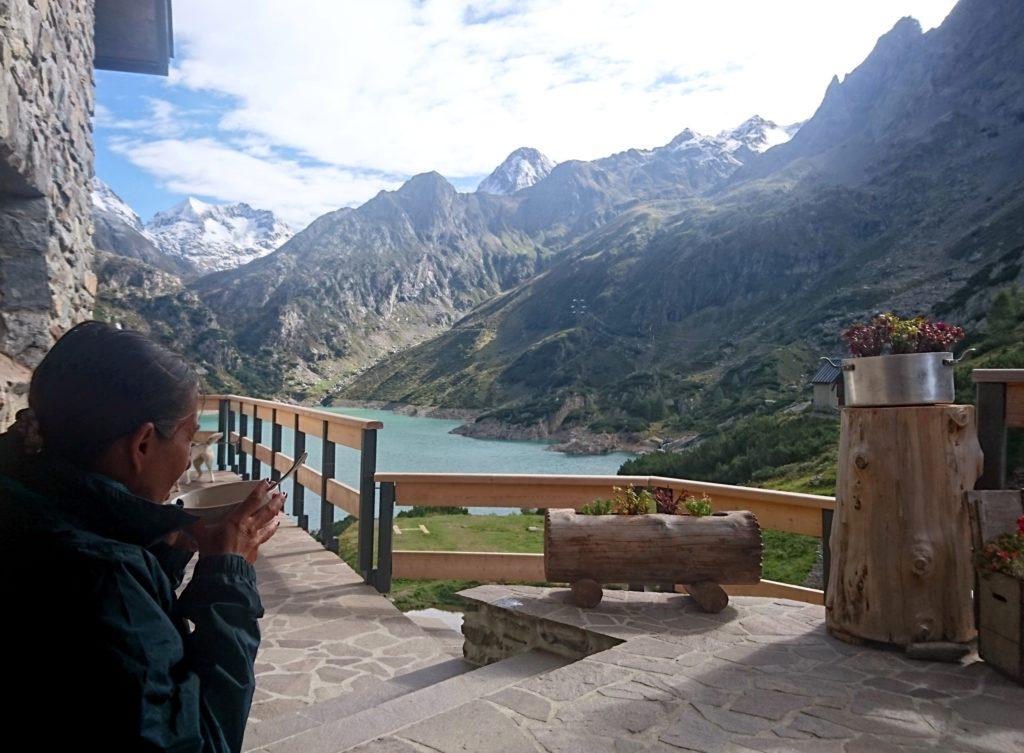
[359, 284]
[904, 191]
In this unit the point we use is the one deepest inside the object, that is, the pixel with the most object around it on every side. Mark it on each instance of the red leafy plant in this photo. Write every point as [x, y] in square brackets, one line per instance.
[1005, 553]
[888, 333]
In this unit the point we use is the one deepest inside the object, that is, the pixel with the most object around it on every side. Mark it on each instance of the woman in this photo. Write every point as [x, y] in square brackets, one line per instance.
[99, 648]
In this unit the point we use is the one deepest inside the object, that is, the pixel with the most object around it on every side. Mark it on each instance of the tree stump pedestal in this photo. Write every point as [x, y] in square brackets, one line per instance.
[901, 571]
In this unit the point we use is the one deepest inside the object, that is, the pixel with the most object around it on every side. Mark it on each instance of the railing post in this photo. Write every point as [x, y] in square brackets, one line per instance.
[367, 470]
[327, 462]
[298, 490]
[275, 445]
[382, 576]
[232, 462]
[243, 431]
[826, 549]
[991, 417]
[222, 427]
[257, 437]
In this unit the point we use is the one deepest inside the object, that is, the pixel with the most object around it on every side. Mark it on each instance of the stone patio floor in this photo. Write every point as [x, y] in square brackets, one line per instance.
[761, 676]
[324, 632]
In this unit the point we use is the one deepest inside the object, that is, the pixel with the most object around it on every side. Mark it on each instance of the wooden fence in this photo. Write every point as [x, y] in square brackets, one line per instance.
[781, 511]
[249, 423]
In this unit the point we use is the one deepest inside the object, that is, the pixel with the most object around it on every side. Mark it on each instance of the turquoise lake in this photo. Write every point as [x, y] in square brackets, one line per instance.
[424, 445]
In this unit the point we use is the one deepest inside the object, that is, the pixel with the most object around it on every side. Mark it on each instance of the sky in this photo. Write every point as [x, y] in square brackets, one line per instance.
[306, 106]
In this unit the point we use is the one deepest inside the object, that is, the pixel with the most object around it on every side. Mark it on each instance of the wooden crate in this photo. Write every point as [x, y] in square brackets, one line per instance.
[1000, 610]
[999, 598]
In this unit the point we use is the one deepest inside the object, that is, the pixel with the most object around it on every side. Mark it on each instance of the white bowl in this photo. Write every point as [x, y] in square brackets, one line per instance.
[214, 502]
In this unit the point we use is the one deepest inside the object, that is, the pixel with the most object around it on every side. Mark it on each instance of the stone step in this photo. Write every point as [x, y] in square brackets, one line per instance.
[372, 692]
[341, 734]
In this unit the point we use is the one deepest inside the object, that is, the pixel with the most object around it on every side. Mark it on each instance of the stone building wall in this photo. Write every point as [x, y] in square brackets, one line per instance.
[46, 164]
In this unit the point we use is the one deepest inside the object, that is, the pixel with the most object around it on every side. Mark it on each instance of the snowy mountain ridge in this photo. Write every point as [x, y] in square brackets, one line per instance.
[214, 237]
[192, 235]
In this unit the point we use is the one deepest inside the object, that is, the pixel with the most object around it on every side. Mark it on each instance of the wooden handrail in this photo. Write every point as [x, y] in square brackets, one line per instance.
[499, 481]
[331, 429]
[211, 402]
[1007, 376]
[782, 511]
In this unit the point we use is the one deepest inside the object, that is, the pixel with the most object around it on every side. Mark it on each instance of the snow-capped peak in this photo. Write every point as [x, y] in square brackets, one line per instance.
[521, 169]
[757, 134]
[105, 200]
[212, 237]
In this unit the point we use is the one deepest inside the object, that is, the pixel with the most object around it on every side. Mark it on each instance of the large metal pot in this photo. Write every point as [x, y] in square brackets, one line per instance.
[903, 379]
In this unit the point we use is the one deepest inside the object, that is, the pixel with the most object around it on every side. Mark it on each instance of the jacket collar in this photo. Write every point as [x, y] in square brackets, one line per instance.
[90, 501]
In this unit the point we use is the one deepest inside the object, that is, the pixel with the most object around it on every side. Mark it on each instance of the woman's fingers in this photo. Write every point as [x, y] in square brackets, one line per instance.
[254, 500]
[268, 531]
[267, 513]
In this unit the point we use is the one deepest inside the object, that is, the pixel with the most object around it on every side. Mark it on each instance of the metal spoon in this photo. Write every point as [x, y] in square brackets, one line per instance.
[298, 461]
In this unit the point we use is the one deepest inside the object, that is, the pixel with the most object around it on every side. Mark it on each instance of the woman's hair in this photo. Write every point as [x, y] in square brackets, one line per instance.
[99, 383]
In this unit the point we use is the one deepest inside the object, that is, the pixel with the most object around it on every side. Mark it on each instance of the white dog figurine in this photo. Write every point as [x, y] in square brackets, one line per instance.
[201, 453]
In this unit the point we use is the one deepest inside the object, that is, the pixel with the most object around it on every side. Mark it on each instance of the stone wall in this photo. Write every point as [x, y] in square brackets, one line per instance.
[494, 633]
[46, 164]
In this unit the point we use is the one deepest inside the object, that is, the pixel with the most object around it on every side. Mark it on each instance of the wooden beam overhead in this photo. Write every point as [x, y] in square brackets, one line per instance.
[133, 36]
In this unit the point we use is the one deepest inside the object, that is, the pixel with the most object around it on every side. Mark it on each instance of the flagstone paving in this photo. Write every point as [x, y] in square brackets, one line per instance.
[761, 676]
[324, 632]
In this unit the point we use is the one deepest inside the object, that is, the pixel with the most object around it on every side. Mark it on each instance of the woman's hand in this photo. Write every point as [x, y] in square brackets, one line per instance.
[245, 528]
[181, 539]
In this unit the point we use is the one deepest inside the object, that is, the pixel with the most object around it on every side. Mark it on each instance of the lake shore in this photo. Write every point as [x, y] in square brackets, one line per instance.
[571, 441]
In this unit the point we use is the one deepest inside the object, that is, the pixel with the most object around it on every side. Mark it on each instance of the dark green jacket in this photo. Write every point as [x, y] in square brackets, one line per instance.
[100, 650]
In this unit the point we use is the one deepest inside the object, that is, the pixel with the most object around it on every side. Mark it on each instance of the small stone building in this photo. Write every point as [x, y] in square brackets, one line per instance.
[827, 384]
[48, 49]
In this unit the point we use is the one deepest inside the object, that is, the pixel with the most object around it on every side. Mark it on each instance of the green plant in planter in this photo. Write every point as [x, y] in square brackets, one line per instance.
[641, 502]
[698, 506]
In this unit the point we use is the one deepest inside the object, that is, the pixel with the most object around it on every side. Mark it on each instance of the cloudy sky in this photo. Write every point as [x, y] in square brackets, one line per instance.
[304, 106]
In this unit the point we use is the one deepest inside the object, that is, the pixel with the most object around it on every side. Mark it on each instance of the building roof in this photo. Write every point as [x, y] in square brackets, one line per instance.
[827, 373]
[134, 36]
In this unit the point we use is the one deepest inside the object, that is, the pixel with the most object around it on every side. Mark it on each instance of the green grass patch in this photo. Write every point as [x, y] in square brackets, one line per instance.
[788, 557]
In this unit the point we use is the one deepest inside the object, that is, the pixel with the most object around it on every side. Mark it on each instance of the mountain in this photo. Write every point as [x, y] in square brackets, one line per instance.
[118, 230]
[905, 191]
[190, 239]
[213, 237]
[521, 169]
[359, 284]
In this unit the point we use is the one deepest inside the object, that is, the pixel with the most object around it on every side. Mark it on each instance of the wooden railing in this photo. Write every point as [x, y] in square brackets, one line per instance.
[248, 423]
[781, 511]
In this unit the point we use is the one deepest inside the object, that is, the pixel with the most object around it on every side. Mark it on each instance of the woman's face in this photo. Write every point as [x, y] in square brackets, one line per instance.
[169, 460]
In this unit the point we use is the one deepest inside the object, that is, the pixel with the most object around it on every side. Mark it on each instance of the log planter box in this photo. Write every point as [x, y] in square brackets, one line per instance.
[701, 553]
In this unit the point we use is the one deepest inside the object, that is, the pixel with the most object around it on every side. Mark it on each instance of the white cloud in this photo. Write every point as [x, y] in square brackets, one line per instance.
[298, 193]
[397, 87]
